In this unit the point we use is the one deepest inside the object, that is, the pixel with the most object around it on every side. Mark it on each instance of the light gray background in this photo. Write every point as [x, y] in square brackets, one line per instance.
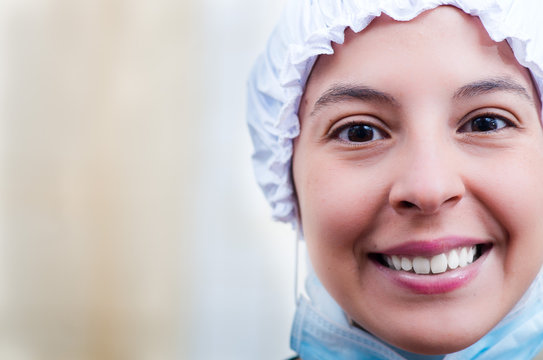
[130, 223]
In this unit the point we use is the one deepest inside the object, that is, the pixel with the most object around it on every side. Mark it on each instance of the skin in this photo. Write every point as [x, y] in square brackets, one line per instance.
[427, 172]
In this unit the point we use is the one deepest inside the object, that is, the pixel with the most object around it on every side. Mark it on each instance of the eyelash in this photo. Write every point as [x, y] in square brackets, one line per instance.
[336, 133]
[507, 122]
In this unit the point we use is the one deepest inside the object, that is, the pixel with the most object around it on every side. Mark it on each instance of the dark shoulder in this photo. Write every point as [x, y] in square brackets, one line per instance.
[294, 358]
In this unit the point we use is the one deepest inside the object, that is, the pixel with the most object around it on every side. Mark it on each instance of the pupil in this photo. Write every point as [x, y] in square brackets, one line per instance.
[360, 133]
[485, 124]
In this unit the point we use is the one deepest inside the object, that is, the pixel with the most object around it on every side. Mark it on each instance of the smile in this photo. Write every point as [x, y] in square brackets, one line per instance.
[437, 264]
[433, 267]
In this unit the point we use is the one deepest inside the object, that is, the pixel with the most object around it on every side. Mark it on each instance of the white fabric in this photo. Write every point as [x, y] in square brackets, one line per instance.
[306, 30]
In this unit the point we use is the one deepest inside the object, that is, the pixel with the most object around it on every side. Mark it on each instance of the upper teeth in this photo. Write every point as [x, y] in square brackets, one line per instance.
[436, 264]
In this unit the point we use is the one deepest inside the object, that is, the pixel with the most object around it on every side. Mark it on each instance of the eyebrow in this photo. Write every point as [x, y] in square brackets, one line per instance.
[491, 85]
[343, 92]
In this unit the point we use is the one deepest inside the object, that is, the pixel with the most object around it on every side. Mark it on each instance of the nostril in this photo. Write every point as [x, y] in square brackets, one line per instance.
[453, 199]
[423, 195]
[406, 204]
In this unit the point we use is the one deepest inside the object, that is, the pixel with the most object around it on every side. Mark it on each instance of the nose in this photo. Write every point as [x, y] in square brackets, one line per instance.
[428, 179]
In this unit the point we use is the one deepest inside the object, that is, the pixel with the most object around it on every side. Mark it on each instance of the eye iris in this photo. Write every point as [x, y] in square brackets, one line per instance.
[484, 124]
[360, 133]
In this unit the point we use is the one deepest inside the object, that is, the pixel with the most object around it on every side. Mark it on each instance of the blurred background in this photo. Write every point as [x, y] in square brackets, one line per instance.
[131, 226]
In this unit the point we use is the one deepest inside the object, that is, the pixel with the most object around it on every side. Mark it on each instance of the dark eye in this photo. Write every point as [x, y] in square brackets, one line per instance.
[359, 133]
[485, 123]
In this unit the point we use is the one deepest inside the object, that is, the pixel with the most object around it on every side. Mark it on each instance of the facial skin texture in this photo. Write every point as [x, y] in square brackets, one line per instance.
[429, 172]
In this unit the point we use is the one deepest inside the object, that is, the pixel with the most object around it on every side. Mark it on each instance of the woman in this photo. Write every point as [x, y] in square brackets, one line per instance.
[404, 140]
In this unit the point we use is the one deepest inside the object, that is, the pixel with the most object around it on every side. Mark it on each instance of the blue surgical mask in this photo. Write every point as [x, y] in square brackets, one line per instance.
[322, 331]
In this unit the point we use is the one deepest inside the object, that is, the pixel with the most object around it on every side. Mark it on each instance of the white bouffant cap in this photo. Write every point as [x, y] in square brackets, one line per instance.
[306, 30]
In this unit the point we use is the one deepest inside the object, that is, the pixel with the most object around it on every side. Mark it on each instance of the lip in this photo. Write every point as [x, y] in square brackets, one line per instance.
[432, 247]
[436, 283]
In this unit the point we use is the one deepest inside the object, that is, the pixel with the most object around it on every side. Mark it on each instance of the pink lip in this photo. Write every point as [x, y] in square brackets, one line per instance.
[431, 247]
[434, 284]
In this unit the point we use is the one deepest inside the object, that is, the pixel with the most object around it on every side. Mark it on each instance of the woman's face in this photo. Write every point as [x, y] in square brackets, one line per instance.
[421, 147]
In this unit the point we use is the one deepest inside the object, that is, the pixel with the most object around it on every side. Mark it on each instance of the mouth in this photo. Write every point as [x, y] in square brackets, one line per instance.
[444, 262]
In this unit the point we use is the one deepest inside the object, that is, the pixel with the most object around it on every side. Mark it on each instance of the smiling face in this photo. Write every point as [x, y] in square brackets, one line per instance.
[421, 146]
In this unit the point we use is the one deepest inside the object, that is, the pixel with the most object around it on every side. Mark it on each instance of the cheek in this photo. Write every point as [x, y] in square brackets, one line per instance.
[515, 188]
[338, 204]
[512, 191]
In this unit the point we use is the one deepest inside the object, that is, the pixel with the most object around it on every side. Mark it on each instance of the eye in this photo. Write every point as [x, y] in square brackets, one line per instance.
[485, 123]
[358, 133]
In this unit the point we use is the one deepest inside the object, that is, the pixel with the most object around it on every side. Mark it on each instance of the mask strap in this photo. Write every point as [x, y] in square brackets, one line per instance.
[300, 265]
[296, 262]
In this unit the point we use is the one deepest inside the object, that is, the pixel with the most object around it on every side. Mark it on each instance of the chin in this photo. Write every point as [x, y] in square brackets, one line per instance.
[433, 342]
[430, 346]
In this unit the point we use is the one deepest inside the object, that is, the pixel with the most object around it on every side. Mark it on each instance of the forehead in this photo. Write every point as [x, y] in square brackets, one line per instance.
[443, 48]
